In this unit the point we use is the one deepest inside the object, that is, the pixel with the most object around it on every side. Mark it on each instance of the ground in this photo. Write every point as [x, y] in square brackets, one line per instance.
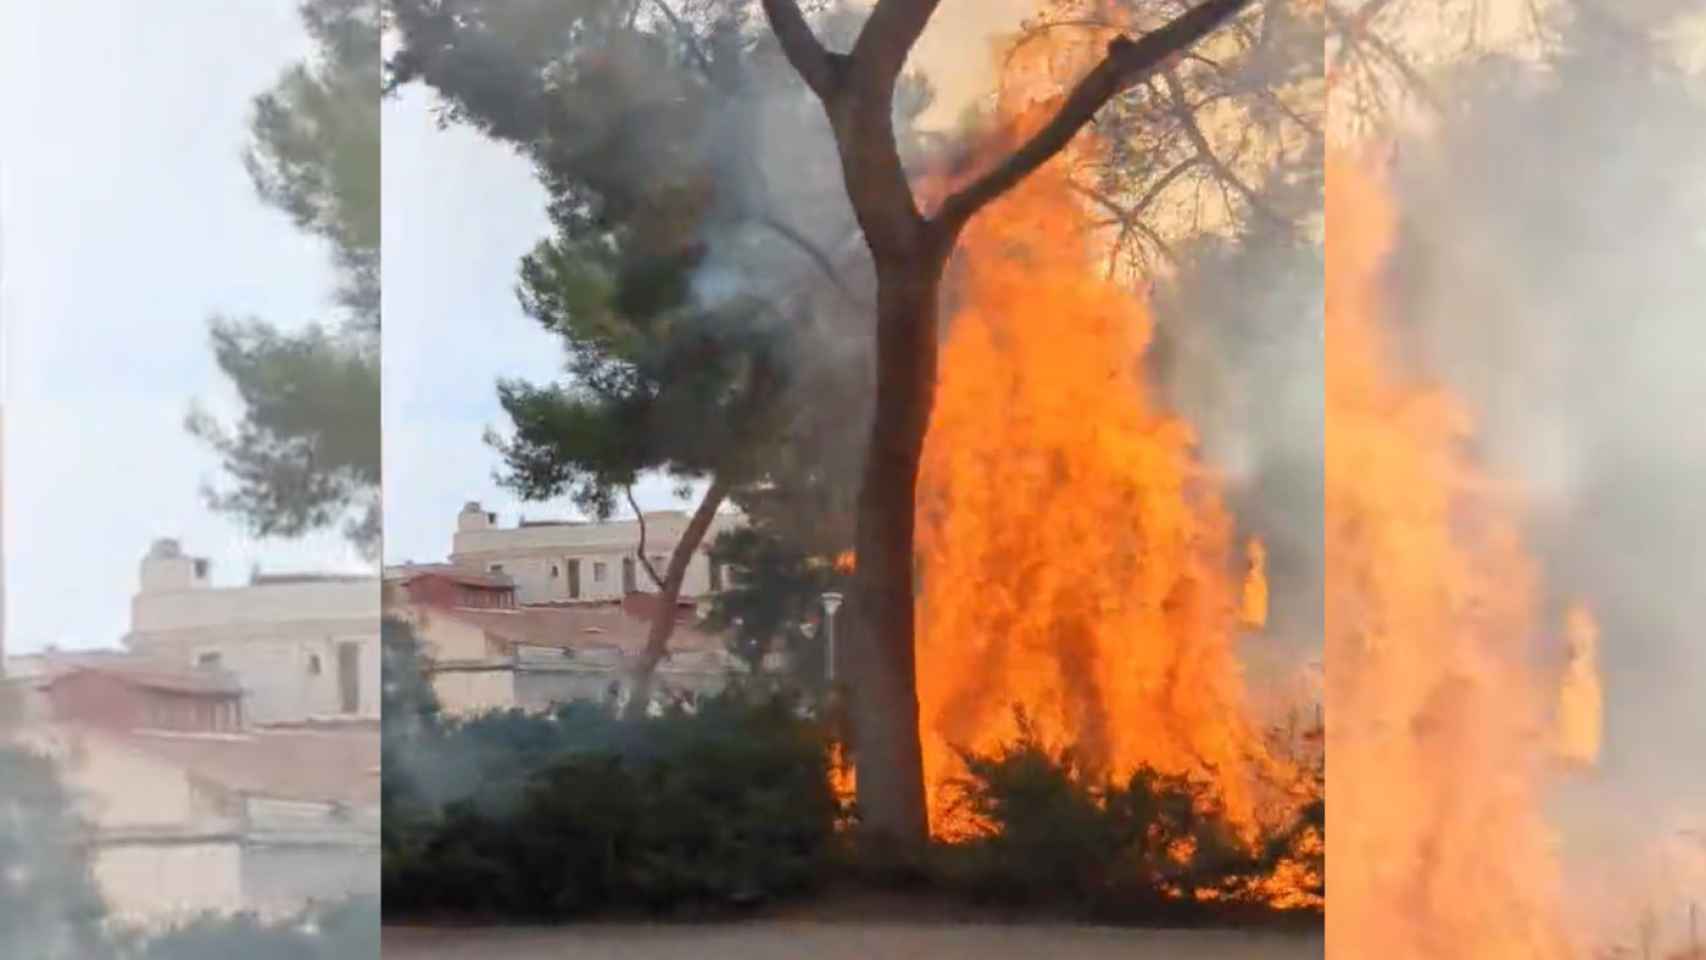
[787, 940]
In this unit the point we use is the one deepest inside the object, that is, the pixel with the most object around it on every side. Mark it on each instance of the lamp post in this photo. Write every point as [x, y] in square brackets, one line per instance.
[831, 603]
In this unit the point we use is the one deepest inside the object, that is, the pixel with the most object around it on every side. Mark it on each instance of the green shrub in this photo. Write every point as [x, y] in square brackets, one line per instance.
[559, 815]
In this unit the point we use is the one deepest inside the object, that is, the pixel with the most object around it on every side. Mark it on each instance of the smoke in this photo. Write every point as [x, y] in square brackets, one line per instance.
[1550, 263]
[1240, 354]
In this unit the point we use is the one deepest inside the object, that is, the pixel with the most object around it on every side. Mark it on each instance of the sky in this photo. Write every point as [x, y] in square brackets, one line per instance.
[128, 221]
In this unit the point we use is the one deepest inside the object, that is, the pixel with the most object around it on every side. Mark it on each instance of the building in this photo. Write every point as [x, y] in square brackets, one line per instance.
[560, 561]
[445, 585]
[544, 612]
[141, 695]
[182, 824]
[304, 647]
[190, 811]
[228, 759]
[501, 655]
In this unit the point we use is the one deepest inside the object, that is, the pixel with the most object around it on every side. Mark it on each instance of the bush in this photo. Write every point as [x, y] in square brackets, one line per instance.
[726, 801]
[1155, 846]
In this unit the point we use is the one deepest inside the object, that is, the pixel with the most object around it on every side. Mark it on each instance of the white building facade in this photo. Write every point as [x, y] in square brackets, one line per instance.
[568, 561]
[305, 648]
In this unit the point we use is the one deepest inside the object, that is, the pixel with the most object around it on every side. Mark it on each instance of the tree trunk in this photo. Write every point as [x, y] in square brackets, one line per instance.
[878, 655]
[910, 252]
[641, 683]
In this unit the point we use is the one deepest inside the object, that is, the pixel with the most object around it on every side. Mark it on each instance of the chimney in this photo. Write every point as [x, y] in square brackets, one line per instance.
[475, 517]
[167, 569]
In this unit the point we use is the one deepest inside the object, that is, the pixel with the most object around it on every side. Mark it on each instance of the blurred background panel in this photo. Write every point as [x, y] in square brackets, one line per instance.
[189, 292]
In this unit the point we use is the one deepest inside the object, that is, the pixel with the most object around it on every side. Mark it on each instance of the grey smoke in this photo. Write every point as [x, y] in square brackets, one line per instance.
[1550, 269]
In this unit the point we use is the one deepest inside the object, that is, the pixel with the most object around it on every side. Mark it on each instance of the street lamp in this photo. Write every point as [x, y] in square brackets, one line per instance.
[831, 603]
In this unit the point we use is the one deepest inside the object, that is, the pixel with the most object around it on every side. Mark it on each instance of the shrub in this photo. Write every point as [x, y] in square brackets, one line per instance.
[1046, 831]
[725, 801]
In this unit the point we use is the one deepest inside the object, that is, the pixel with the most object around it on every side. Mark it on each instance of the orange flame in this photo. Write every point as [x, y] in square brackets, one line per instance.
[1580, 701]
[1438, 727]
[1077, 559]
[1255, 610]
[845, 562]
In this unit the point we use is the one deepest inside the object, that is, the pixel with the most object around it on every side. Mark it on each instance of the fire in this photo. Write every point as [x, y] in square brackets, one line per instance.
[1440, 719]
[1077, 558]
[1255, 614]
[1580, 702]
[844, 562]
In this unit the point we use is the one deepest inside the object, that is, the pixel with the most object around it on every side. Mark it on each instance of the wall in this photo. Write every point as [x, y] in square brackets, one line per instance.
[475, 691]
[445, 639]
[268, 605]
[268, 635]
[281, 878]
[165, 850]
[121, 790]
[528, 554]
[153, 884]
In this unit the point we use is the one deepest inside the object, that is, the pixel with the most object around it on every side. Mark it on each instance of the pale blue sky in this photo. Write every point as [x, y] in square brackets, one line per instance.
[460, 211]
[128, 221]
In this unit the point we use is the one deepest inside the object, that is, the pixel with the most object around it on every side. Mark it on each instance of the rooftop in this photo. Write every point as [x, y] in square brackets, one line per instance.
[614, 625]
[258, 579]
[407, 572]
[147, 674]
[300, 765]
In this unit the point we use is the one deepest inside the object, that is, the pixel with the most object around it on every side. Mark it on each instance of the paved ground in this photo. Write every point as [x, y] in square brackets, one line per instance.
[787, 940]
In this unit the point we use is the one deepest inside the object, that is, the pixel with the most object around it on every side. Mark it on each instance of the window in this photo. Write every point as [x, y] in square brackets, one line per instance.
[201, 569]
[349, 676]
[600, 571]
[313, 664]
[495, 568]
[209, 661]
[554, 571]
[628, 575]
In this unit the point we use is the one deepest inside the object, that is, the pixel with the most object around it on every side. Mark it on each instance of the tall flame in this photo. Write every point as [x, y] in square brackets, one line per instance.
[1439, 719]
[1078, 560]
[1580, 701]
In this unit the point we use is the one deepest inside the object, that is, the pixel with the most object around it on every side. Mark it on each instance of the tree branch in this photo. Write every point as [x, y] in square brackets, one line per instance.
[801, 46]
[1188, 122]
[687, 38]
[1131, 220]
[889, 34]
[1356, 34]
[640, 550]
[1128, 62]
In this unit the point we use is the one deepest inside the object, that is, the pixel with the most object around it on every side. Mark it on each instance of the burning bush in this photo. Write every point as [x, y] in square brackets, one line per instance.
[1044, 829]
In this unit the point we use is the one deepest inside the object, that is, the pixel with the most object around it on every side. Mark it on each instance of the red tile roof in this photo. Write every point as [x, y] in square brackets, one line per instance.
[153, 675]
[453, 573]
